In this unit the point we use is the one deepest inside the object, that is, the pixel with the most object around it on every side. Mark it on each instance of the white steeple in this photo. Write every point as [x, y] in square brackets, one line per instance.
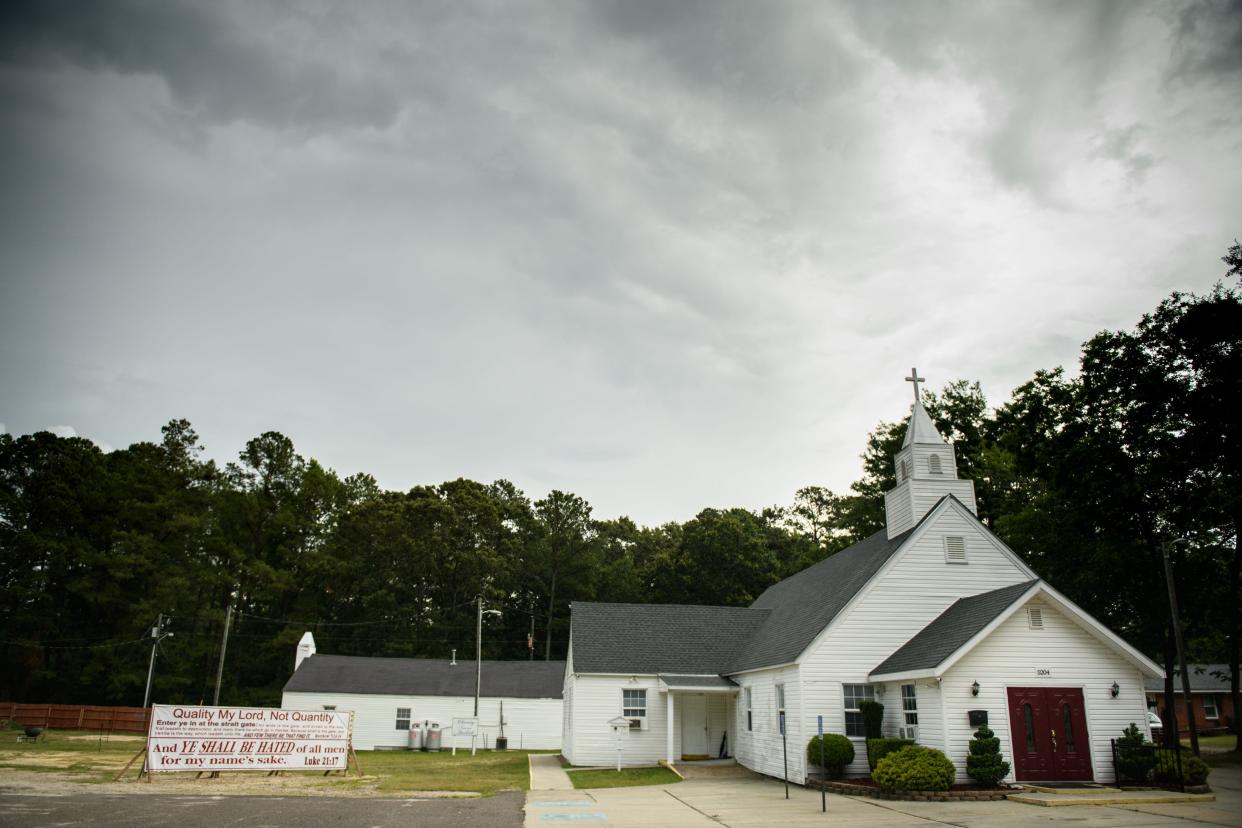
[926, 469]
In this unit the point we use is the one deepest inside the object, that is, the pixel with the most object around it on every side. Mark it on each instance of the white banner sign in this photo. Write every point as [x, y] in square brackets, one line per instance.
[465, 727]
[246, 738]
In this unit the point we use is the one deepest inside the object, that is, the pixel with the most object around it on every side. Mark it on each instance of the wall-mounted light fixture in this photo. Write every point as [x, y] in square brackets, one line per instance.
[879, 690]
[974, 688]
[1116, 689]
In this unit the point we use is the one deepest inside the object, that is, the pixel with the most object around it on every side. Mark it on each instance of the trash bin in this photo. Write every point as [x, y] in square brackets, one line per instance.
[431, 736]
[416, 736]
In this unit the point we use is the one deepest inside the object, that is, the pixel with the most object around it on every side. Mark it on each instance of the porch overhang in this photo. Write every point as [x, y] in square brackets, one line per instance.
[679, 683]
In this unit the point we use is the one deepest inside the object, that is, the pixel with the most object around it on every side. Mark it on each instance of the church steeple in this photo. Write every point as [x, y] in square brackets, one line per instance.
[926, 468]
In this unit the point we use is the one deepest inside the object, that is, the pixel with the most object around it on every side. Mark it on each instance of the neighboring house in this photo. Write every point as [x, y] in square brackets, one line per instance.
[1209, 697]
[387, 694]
[933, 617]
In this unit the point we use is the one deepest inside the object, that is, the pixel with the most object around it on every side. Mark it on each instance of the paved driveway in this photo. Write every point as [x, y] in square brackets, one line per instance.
[742, 803]
[92, 810]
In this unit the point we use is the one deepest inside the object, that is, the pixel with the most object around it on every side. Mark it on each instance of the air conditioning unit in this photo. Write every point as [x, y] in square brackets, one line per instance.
[908, 732]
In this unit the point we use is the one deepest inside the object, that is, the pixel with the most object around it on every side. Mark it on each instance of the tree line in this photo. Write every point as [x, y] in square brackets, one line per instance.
[1090, 476]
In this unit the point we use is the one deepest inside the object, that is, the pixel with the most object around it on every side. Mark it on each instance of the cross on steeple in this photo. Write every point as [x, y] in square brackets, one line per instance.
[916, 379]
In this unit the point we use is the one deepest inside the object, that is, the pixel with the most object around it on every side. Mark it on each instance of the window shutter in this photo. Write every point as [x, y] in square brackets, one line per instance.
[955, 549]
[1035, 616]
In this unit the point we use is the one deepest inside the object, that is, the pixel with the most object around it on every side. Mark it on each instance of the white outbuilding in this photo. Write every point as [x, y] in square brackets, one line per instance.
[388, 695]
[933, 616]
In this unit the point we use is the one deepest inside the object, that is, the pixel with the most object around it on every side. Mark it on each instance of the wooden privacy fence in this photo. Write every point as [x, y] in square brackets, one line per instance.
[77, 717]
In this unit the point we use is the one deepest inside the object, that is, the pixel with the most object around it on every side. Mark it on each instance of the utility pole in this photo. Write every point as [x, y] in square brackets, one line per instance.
[157, 633]
[224, 645]
[1181, 655]
[478, 655]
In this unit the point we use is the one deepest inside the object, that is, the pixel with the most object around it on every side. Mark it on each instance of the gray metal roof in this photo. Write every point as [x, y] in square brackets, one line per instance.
[951, 629]
[426, 677]
[802, 605]
[1204, 678]
[658, 638]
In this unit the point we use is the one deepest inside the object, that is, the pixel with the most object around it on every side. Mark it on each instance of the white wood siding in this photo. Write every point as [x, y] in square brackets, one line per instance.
[760, 748]
[1010, 656]
[596, 700]
[905, 505]
[529, 723]
[916, 586]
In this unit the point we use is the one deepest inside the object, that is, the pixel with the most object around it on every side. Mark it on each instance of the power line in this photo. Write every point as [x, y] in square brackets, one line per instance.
[41, 645]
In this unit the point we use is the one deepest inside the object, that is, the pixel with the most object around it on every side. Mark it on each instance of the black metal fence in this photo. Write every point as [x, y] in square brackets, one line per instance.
[1148, 764]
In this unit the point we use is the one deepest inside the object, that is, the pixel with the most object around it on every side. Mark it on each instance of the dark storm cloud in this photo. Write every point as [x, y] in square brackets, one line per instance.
[665, 255]
[1209, 43]
[216, 68]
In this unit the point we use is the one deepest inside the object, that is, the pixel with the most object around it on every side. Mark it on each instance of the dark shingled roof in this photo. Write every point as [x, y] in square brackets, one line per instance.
[775, 629]
[658, 638]
[951, 629]
[802, 605]
[1204, 678]
[426, 677]
[696, 681]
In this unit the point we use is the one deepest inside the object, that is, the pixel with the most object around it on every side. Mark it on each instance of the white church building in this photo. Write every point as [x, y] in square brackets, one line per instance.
[934, 617]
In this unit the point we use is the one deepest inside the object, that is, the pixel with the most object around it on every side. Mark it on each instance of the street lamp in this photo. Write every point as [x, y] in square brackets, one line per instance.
[478, 655]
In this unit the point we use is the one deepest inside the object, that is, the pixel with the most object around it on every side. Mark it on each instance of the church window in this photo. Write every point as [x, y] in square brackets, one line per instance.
[909, 704]
[750, 711]
[1035, 617]
[903, 472]
[780, 708]
[854, 695]
[1210, 708]
[403, 718]
[933, 464]
[634, 707]
[955, 549]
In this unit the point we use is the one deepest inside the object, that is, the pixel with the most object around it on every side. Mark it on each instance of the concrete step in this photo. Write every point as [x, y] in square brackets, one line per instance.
[1064, 790]
[1054, 800]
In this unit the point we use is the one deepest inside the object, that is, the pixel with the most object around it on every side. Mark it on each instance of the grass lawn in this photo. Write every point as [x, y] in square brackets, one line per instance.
[1226, 741]
[624, 778]
[486, 772]
[81, 756]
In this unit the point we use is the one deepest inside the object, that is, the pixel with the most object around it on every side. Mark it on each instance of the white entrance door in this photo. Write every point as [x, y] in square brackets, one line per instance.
[694, 727]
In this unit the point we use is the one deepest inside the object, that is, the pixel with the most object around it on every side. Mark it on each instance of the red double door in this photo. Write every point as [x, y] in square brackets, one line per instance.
[1049, 727]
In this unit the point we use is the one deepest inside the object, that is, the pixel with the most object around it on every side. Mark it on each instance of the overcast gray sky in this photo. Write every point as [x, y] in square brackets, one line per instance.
[663, 255]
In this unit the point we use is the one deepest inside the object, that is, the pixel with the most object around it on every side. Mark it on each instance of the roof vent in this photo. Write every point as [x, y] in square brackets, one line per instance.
[1035, 616]
[955, 549]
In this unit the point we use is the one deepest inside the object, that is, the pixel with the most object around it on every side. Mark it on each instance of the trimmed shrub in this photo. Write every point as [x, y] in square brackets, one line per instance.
[832, 753]
[873, 718]
[985, 764]
[1193, 768]
[877, 749]
[1135, 758]
[915, 768]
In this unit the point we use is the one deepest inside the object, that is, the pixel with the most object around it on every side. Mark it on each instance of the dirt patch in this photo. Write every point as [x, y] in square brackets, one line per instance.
[62, 760]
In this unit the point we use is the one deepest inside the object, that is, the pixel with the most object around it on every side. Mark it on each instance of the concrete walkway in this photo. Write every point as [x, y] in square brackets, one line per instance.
[546, 773]
[751, 803]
